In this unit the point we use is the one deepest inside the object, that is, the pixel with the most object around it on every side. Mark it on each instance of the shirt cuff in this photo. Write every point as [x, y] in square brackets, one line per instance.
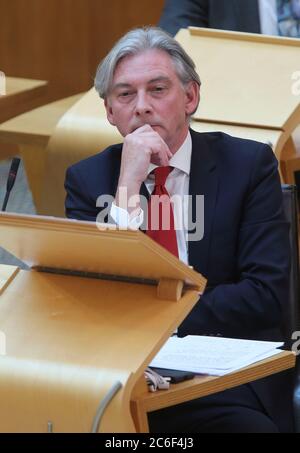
[122, 218]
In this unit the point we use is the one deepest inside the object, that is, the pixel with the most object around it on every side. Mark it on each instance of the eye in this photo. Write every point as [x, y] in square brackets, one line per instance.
[158, 89]
[125, 96]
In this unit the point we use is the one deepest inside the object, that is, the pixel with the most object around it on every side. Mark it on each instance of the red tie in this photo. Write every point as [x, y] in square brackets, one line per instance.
[160, 213]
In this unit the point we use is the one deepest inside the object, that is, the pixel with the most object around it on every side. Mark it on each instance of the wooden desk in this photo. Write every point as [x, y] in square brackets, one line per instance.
[31, 132]
[7, 273]
[35, 127]
[83, 342]
[144, 401]
[255, 104]
[21, 95]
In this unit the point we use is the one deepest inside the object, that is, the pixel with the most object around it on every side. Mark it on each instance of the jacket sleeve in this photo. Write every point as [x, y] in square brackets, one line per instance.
[252, 306]
[78, 205]
[182, 14]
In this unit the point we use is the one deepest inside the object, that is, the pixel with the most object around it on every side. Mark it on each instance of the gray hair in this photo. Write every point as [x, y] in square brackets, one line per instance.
[139, 40]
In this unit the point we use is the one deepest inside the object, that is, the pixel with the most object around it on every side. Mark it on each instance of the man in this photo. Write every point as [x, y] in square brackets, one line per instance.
[150, 88]
[270, 17]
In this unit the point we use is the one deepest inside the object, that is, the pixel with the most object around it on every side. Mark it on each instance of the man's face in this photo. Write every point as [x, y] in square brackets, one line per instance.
[147, 90]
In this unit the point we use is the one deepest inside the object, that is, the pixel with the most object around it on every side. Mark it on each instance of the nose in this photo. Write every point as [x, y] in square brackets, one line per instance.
[143, 105]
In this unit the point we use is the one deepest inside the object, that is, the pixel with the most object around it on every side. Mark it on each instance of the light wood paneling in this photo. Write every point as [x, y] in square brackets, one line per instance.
[63, 40]
[21, 95]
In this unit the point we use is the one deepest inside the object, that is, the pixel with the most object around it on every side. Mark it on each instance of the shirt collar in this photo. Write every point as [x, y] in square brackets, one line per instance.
[181, 159]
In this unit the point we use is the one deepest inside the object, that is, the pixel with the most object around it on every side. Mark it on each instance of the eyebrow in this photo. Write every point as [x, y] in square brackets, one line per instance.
[128, 85]
[160, 79]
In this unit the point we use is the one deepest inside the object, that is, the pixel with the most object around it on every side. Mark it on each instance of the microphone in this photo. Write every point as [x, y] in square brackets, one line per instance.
[11, 180]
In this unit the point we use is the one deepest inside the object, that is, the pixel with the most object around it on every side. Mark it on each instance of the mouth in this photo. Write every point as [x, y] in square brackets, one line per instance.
[154, 126]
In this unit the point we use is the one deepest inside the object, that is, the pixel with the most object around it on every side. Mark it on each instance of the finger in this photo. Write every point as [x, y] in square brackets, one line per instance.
[169, 153]
[160, 156]
[144, 128]
[166, 150]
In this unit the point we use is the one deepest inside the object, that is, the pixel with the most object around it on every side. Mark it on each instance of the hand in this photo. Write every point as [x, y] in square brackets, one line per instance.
[141, 147]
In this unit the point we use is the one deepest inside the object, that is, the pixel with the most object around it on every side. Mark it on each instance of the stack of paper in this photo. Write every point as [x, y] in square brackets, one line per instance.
[212, 355]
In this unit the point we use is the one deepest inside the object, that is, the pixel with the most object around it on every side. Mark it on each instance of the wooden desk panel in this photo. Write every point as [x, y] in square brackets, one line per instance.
[145, 401]
[21, 95]
[30, 132]
[34, 128]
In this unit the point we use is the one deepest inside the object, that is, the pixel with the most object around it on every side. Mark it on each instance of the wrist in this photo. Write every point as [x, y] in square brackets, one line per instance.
[128, 196]
[131, 184]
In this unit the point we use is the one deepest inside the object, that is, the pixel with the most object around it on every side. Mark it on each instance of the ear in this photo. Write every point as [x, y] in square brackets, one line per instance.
[109, 111]
[192, 92]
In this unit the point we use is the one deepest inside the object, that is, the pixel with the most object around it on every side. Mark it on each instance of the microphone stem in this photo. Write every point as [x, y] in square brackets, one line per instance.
[5, 201]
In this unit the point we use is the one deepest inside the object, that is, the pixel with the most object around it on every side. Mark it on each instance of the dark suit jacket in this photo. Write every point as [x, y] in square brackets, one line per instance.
[245, 250]
[237, 15]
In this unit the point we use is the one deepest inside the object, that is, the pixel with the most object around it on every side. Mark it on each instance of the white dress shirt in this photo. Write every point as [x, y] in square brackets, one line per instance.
[177, 184]
[268, 17]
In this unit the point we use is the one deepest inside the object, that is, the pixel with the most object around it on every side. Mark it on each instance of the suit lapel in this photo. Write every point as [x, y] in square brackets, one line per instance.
[203, 181]
[144, 204]
[144, 191]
